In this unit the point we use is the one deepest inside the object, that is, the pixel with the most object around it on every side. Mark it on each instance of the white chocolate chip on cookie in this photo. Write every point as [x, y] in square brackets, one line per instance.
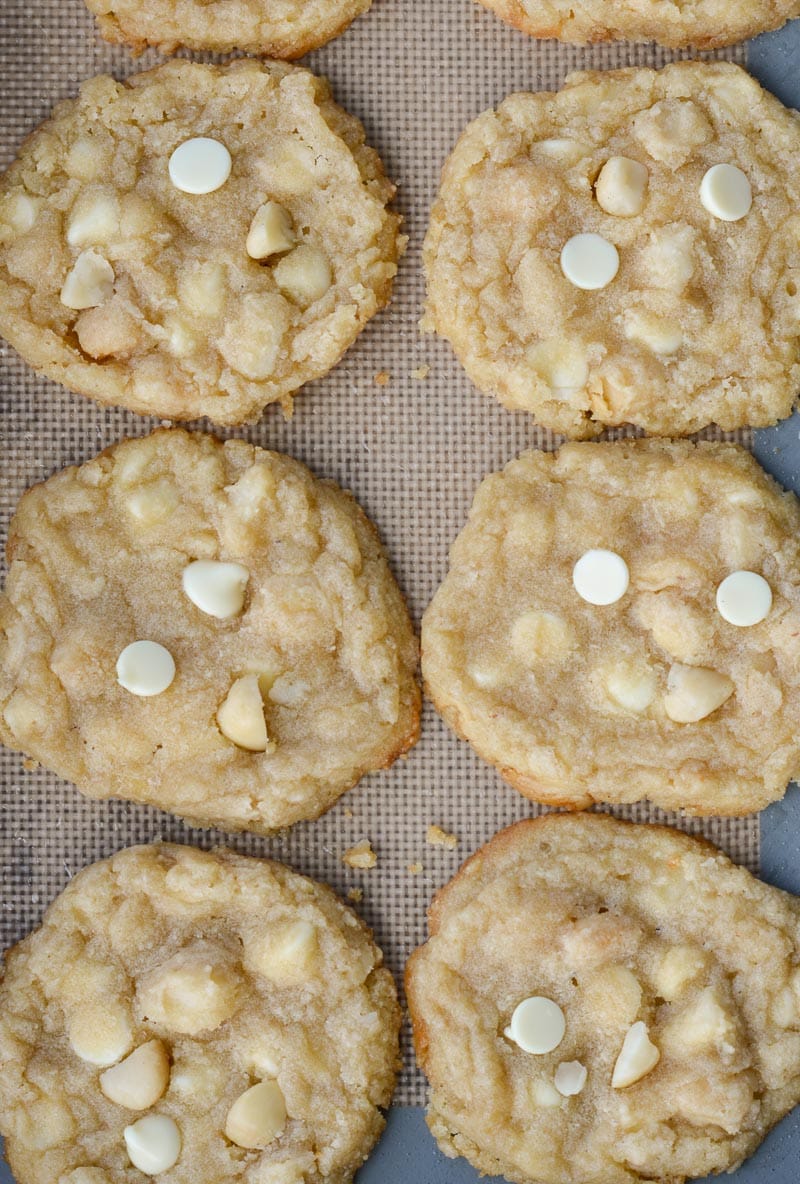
[145, 668]
[537, 1025]
[285, 954]
[601, 577]
[621, 186]
[200, 165]
[570, 1078]
[589, 261]
[140, 1080]
[257, 1116]
[304, 275]
[153, 1143]
[194, 991]
[241, 715]
[631, 685]
[638, 1057]
[270, 231]
[89, 283]
[726, 193]
[100, 1036]
[695, 692]
[216, 588]
[541, 636]
[744, 598]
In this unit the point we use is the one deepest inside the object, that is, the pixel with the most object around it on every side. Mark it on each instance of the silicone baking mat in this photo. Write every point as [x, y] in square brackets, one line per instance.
[412, 451]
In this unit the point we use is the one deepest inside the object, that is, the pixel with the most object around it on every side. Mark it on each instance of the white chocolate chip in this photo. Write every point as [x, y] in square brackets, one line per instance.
[140, 1080]
[541, 636]
[620, 189]
[563, 150]
[544, 1095]
[154, 1144]
[145, 668]
[199, 165]
[562, 364]
[694, 692]
[704, 1024]
[304, 275]
[537, 1025]
[726, 193]
[216, 588]
[286, 953]
[270, 231]
[601, 577]
[100, 1038]
[94, 220]
[570, 1078]
[257, 1116]
[589, 261]
[679, 966]
[241, 715]
[193, 991]
[744, 598]
[631, 685]
[89, 283]
[662, 335]
[638, 1057]
[20, 211]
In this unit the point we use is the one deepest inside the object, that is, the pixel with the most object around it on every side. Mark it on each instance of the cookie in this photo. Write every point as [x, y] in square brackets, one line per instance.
[206, 628]
[275, 28]
[605, 1003]
[208, 1017]
[621, 621]
[625, 251]
[704, 24]
[199, 241]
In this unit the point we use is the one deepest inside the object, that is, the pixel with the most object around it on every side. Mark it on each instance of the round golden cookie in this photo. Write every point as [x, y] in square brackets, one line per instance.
[275, 28]
[669, 1042]
[698, 319]
[649, 691]
[202, 1018]
[273, 660]
[199, 241]
[704, 24]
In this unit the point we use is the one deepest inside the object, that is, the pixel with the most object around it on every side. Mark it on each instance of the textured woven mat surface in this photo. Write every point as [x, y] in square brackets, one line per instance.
[412, 452]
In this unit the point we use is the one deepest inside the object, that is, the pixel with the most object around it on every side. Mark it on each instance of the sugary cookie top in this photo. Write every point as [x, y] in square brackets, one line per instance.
[625, 251]
[274, 28]
[701, 23]
[622, 621]
[603, 1003]
[203, 1018]
[201, 240]
[204, 627]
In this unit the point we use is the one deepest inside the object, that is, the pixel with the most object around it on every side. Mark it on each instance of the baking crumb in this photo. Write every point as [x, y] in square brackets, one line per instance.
[361, 856]
[414, 868]
[29, 766]
[421, 372]
[348, 813]
[356, 895]
[440, 838]
[382, 377]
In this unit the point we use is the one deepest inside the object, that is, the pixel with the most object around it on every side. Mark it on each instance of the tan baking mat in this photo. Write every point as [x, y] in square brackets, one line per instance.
[412, 451]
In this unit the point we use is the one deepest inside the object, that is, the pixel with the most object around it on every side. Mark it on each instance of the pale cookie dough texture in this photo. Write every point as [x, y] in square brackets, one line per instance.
[622, 927]
[164, 984]
[699, 324]
[275, 28]
[655, 695]
[704, 24]
[168, 313]
[321, 658]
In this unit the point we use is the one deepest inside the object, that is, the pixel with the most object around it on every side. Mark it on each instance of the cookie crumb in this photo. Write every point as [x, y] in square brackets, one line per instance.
[414, 868]
[382, 377]
[361, 856]
[356, 895]
[348, 813]
[437, 837]
[421, 372]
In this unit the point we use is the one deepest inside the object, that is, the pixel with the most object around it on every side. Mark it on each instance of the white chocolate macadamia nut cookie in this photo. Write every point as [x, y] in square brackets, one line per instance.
[211, 1016]
[704, 24]
[272, 28]
[625, 250]
[201, 240]
[622, 621]
[677, 979]
[206, 628]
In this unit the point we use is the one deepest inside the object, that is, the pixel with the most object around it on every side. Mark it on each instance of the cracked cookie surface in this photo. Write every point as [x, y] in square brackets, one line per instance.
[654, 694]
[164, 985]
[274, 28]
[704, 24]
[623, 928]
[292, 655]
[698, 323]
[121, 285]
